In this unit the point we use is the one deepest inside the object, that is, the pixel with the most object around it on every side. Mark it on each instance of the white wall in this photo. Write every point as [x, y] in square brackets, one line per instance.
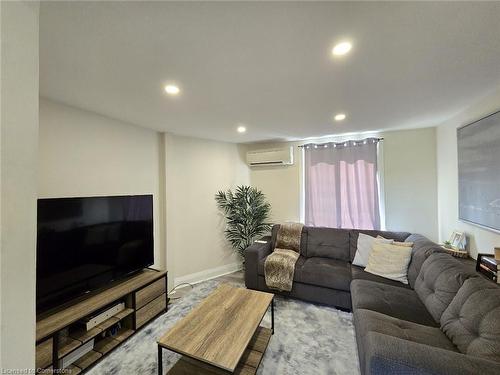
[85, 154]
[280, 184]
[195, 170]
[410, 181]
[19, 144]
[481, 240]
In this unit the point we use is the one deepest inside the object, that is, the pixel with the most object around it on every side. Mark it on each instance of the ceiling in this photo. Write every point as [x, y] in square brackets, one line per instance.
[269, 65]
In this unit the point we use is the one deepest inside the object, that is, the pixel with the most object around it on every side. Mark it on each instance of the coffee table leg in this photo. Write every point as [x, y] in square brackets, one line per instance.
[160, 361]
[272, 316]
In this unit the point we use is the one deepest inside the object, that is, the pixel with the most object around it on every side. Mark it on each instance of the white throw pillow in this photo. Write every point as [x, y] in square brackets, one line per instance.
[389, 261]
[365, 244]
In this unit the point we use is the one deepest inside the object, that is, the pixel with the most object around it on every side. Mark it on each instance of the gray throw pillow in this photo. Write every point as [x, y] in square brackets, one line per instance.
[472, 320]
[439, 280]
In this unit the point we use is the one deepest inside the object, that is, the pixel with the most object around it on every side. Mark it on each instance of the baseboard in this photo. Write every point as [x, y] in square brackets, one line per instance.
[205, 275]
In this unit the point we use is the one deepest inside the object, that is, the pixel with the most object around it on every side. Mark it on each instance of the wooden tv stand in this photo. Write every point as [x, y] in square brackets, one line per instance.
[59, 333]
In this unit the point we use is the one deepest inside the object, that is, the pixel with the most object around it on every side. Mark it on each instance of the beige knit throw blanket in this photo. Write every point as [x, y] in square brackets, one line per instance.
[279, 266]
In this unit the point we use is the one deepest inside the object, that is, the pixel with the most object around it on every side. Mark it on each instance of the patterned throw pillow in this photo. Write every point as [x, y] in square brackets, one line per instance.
[389, 261]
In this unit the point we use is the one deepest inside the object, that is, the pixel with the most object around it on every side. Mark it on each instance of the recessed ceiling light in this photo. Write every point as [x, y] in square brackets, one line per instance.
[172, 89]
[241, 129]
[341, 49]
[340, 116]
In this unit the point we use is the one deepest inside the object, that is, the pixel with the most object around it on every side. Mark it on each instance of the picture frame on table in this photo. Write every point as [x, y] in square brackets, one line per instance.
[457, 240]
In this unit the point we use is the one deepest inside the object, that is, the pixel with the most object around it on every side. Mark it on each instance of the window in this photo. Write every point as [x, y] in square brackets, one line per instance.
[341, 185]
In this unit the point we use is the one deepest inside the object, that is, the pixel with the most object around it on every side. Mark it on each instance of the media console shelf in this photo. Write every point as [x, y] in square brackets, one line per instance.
[59, 334]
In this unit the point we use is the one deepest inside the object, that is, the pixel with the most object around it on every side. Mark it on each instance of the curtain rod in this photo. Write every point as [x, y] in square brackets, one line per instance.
[349, 140]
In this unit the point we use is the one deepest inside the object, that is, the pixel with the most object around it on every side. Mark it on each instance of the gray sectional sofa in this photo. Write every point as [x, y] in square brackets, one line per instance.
[325, 252]
[445, 321]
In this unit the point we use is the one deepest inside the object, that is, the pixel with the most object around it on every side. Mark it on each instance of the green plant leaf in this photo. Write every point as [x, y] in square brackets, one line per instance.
[247, 214]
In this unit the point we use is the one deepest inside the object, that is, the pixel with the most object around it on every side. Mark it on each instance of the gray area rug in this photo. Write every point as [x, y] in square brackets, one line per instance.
[308, 339]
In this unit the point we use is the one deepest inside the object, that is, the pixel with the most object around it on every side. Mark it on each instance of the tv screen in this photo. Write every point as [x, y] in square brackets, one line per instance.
[85, 243]
[479, 172]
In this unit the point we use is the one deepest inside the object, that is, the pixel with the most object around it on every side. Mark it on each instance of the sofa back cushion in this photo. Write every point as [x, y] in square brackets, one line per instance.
[328, 243]
[422, 248]
[354, 233]
[472, 320]
[303, 239]
[439, 280]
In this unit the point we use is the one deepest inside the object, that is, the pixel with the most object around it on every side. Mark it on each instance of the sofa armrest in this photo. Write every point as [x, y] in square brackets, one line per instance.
[391, 355]
[253, 254]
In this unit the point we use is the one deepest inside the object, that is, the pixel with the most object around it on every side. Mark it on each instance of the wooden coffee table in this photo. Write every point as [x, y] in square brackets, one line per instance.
[222, 334]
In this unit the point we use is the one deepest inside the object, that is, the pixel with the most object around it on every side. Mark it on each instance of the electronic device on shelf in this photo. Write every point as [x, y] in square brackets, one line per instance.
[76, 354]
[91, 321]
[113, 330]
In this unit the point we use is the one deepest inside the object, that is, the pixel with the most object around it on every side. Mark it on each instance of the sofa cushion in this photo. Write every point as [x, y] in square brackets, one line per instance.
[360, 273]
[353, 238]
[371, 321]
[328, 243]
[422, 248]
[325, 272]
[472, 320]
[401, 303]
[383, 355]
[439, 280]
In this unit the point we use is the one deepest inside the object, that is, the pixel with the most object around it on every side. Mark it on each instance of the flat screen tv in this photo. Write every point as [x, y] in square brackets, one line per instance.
[84, 244]
[479, 172]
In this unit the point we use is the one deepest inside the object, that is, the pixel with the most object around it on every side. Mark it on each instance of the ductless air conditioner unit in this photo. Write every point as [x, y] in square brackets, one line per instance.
[278, 156]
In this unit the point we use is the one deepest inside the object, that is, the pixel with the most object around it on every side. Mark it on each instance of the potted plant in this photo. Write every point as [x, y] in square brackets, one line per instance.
[247, 212]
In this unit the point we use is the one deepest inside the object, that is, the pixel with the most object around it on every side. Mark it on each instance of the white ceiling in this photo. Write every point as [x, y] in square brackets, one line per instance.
[268, 65]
